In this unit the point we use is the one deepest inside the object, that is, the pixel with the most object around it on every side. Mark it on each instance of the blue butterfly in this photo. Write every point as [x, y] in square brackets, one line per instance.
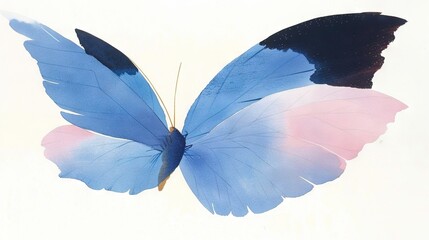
[279, 119]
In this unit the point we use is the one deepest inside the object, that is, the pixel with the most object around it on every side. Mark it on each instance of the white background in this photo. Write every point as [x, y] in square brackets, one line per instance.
[383, 193]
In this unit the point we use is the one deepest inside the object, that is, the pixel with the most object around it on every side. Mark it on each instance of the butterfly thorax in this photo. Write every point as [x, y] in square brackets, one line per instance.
[173, 149]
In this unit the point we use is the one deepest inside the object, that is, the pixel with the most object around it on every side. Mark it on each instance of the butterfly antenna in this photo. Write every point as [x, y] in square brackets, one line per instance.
[156, 92]
[175, 93]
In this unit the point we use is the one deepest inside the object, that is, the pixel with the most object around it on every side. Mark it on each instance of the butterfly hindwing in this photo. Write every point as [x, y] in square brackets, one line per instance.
[101, 162]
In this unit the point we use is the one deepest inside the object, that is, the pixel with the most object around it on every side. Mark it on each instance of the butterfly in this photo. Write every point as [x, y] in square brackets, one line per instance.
[279, 119]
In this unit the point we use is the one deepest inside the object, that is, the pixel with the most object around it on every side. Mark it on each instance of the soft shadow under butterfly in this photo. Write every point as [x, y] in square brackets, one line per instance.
[280, 118]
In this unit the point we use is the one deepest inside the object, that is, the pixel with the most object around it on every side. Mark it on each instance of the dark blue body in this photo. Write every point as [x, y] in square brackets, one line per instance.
[173, 149]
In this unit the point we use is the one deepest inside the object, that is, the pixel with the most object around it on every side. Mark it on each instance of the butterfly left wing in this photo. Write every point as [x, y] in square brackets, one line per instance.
[99, 88]
[101, 162]
[283, 145]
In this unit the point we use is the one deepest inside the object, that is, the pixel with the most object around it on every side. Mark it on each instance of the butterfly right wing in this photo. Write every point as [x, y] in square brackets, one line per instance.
[247, 151]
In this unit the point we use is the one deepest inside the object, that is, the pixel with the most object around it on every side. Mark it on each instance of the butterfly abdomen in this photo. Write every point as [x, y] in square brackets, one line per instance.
[173, 149]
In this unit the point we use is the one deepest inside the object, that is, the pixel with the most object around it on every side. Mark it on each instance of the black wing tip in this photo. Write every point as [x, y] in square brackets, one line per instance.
[80, 33]
[273, 41]
[345, 48]
[394, 19]
[105, 53]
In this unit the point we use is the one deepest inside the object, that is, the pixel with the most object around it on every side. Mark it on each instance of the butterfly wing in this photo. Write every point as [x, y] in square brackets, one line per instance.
[101, 90]
[283, 145]
[101, 162]
[107, 96]
[340, 50]
[275, 129]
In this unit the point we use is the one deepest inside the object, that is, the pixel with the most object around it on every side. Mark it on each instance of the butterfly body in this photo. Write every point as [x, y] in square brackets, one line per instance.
[278, 120]
[173, 149]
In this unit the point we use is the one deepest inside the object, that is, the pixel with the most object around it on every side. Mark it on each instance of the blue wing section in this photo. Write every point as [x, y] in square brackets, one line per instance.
[94, 96]
[101, 162]
[122, 66]
[258, 72]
